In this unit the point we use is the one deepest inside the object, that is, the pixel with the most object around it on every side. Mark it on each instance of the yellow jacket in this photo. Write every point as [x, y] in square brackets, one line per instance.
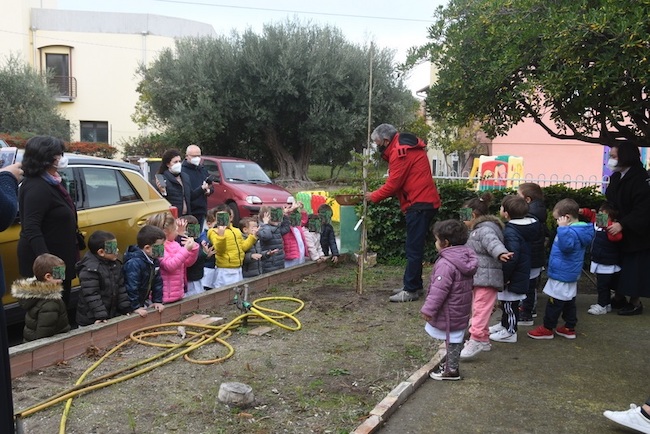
[230, 247]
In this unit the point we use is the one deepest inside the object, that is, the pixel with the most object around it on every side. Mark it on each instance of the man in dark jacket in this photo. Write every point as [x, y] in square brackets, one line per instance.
[410, 179]
[198, 175]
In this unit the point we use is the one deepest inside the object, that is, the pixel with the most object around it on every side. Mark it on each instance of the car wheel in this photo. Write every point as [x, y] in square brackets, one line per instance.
[235, 214]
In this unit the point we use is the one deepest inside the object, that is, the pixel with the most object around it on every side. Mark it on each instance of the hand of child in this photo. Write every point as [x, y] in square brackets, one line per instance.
[256, 256]
[614, 228]
[158, 306]
[335, 259]
[141, 311]
[99, 321]
[563, 220]
[207, 249]
[220, 230]
[272, 252]
[266, 218]
[321, 259]
[427, 318]
[505, 257]
[188, 243]
[253, 231]
[181, 225]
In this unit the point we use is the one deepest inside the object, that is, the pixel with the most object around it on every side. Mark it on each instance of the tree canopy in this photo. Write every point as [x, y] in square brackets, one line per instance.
[579, 68]
[27, 103]
[295, 92]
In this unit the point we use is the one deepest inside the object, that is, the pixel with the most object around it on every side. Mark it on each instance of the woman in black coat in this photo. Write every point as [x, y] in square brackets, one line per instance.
[629, 193]
[48, 216]
[178, 188]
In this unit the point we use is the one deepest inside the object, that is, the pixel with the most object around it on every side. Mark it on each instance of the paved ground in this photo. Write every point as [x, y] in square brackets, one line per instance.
[540, 386]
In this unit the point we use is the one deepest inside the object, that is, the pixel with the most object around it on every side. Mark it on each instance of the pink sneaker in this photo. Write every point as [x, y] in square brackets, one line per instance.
[567, 333]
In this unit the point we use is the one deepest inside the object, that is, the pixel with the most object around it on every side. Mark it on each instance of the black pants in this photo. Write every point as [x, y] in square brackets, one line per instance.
[555, 308]
[510, 315]
[605, 283]
[529, 304]
[418, 224]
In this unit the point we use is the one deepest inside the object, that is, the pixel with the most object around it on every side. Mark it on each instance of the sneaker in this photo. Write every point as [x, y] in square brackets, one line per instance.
[525, 319]
[472, 348]
[496, 328]
[534, 314]
[397, 290]
[566, 332]
[631, 418]
[405, 296]
[541, 332]
[440, 374]
[596, 309]
[504, 336]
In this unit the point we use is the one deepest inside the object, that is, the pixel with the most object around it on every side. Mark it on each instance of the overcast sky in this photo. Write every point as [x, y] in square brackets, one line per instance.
[398, 25]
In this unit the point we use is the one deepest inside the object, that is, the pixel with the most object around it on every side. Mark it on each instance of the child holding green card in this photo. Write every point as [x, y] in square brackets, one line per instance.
[40, 296]
[102, 295]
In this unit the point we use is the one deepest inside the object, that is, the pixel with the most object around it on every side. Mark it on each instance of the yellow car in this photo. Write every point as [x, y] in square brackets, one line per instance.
[110, 195]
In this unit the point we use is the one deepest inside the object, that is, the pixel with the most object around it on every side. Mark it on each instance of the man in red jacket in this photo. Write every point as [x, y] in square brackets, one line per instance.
[410, 179]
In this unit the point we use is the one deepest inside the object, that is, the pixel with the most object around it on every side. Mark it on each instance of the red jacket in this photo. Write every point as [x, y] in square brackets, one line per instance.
[409, 176]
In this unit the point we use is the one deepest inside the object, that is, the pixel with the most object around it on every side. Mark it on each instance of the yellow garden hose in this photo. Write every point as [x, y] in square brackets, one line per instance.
[205, 334]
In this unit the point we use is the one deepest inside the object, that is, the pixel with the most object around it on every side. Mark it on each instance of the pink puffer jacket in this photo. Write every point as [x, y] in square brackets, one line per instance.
[172, 269]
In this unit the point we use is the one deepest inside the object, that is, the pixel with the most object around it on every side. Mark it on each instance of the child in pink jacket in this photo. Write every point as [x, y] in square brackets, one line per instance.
[177, 257]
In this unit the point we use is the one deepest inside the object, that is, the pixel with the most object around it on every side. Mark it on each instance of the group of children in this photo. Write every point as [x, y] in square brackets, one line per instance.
[172, 258]
[482, 260]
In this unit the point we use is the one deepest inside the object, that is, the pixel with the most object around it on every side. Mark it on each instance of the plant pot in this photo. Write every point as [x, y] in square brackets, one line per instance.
[349, 199]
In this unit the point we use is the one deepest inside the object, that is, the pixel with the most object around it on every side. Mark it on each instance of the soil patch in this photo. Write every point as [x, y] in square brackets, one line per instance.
[325, 378]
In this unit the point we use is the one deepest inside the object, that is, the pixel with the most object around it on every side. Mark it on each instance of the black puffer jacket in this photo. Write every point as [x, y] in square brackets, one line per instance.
[177, 193]
[142, 278]
[270, 237]
[46, 313]
[103, 295]
[537, 209]
[328, 240]
[518, 234]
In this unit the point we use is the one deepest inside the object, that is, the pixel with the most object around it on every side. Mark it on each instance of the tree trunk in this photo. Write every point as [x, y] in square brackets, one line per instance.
[289, 168]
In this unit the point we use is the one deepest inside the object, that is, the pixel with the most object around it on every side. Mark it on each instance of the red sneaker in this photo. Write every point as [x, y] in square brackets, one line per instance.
[567, 333]
[541, 332]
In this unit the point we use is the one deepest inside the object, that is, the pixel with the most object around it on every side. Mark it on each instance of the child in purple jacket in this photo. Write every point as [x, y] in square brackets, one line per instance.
[448, 303]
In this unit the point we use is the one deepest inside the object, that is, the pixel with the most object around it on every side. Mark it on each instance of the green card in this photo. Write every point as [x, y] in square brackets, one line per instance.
[314, 224]
[295, 218]
[223, 218]
[277, 214]
[157, 251]
[58, 272]
[602, 219]
[110, 247]
[193, 230]
[465, 214]
[326, 214]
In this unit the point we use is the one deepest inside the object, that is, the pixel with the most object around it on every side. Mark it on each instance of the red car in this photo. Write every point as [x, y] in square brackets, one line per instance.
[242, 185]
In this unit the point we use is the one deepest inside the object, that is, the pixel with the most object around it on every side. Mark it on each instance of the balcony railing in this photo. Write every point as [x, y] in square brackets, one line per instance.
[66, 87]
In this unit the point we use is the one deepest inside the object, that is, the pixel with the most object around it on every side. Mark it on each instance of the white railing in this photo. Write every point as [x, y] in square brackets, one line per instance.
[512, 182]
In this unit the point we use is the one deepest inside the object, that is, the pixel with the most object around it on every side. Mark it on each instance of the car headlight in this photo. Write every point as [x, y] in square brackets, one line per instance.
[253, 200]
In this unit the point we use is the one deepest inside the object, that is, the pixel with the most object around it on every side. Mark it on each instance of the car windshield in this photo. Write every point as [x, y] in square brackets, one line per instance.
[238, 171]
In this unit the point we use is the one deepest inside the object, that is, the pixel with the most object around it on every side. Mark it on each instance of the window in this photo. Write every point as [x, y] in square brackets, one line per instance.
[94, 131]
[106, 187]
[58, 68]
[212, 169]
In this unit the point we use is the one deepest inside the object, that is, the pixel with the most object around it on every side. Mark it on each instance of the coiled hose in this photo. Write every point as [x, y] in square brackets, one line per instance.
[204, 334]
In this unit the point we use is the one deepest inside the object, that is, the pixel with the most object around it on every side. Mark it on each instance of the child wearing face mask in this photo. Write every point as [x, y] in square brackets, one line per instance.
[178, 187]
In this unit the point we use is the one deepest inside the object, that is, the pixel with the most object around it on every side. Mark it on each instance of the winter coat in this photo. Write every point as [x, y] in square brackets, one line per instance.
[102, 294]
[252, 267]
[328, 240]
[518, 234]
[198, 202]
[270, 237]
[46, 314]
[291, 248]
[568, 251]
[48, 225]
[142, 278]
[606, 248]
[449, 297]
[537, 209]
[409, 174]
[313, 248]
[177, 193]
[630, 195]
[195, 272]
[486, 239]
[230, 247]
[173, 266]
[209, 262]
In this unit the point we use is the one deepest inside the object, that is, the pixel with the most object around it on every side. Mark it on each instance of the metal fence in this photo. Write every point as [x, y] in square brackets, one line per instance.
[512, 182]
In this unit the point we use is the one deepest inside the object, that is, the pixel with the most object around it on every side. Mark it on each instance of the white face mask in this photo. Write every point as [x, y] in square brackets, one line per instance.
[176, 168]
[195, 160]
[62, 163]
[612, 164]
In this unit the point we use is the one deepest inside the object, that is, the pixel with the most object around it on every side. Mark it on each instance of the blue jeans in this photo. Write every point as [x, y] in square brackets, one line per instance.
[418, 223]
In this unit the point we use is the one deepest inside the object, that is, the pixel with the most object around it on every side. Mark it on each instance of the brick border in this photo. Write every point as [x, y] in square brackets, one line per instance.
[42, 353]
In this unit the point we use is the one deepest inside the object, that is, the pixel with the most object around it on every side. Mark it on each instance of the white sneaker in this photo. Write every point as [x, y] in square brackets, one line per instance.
[596, 309]
[496, 328]
[472, 348]
[631, 418]
[504, 336]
